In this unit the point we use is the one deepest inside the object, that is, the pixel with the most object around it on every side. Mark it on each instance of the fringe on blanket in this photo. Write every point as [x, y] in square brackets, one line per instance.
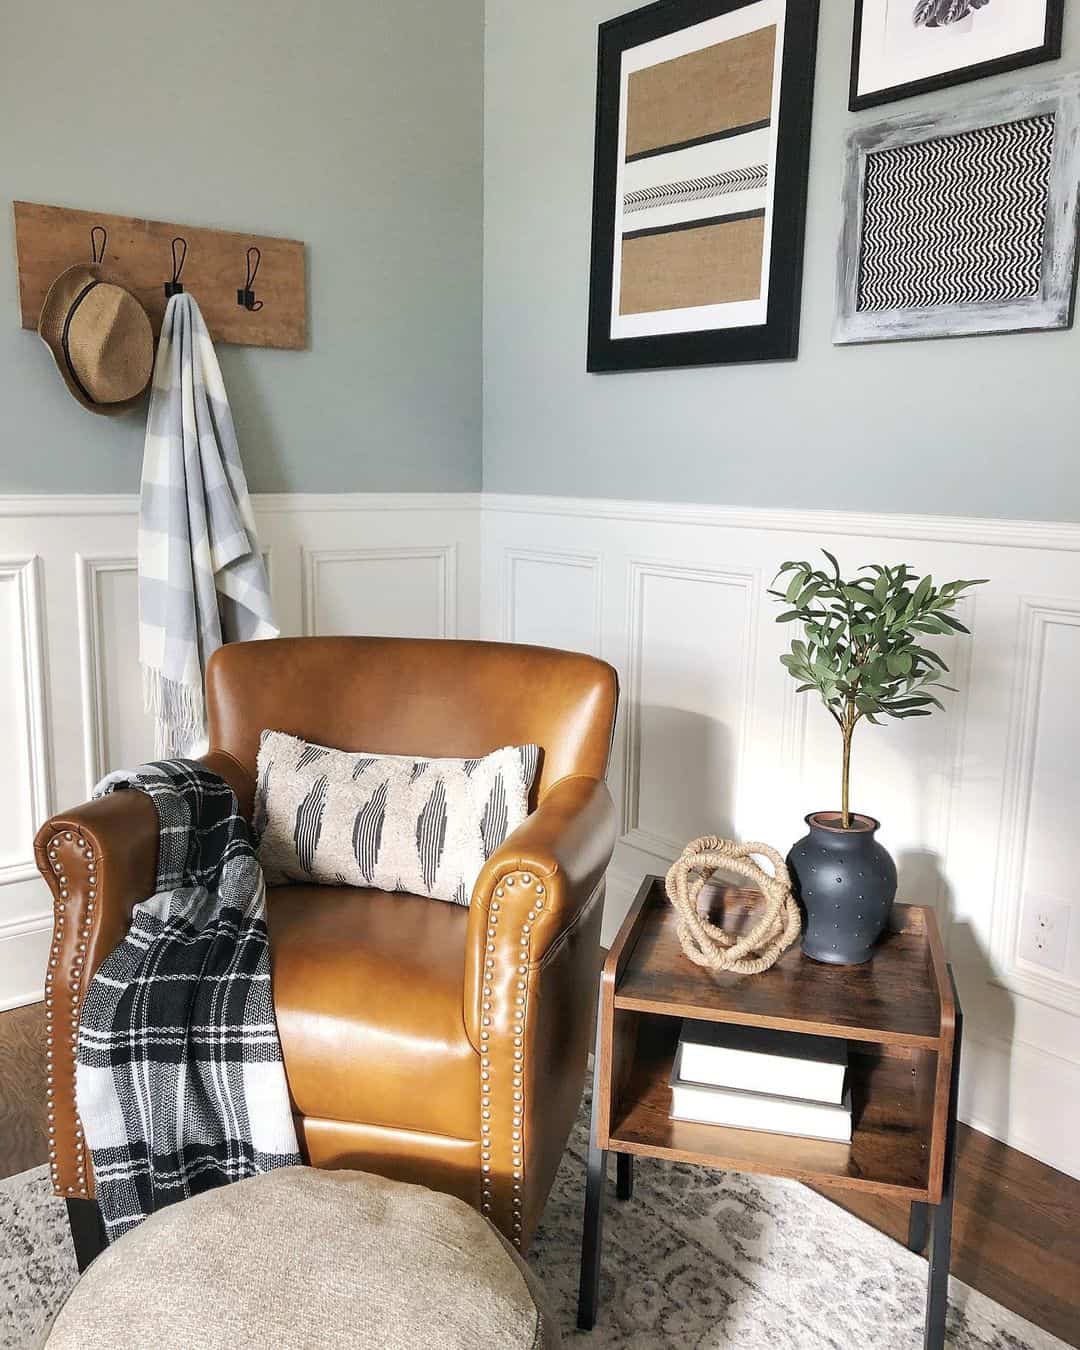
[178, 712]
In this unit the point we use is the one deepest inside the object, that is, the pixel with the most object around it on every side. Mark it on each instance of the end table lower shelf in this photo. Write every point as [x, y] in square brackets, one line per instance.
[899, 1014]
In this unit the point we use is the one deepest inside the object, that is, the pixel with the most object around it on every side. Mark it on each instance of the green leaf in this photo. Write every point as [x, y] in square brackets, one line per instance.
[899, 663]
[922, 590]
[808, 593]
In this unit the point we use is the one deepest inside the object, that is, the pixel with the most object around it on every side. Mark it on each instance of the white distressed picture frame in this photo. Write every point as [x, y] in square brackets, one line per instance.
[1053, 306]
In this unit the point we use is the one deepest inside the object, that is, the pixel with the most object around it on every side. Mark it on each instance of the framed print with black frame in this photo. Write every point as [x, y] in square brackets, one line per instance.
[900, 48]
[699, 188]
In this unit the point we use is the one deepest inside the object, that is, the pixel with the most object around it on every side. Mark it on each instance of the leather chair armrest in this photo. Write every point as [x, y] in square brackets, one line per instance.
[99, 860]
[563, 848]
[532, 958]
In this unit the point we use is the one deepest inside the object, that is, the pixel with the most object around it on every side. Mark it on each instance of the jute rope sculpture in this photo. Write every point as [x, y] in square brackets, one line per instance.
[713, 947]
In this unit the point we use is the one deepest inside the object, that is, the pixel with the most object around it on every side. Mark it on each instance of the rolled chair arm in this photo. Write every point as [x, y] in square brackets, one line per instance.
[532, 957]
[99, 860]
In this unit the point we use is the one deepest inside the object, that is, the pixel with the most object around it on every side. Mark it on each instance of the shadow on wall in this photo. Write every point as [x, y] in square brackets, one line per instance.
[922, 880]
[689, 784]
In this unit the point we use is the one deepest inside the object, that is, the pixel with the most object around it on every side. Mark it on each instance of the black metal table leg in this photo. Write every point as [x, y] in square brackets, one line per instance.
[624, 1176]
[937, 1289]
[918, 1227]
[595, 1186]
[87, 1231]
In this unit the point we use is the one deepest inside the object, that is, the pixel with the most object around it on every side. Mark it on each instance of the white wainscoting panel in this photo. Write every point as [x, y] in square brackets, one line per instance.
[70, 688]
[552, 599]
[687, 713]
[1039, 912]
[381, 592]
[978, 804]
[116, 729]
[25, 784]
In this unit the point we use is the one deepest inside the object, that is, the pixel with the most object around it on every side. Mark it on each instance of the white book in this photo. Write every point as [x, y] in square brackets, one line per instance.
[758, 1059]
[759, 1110]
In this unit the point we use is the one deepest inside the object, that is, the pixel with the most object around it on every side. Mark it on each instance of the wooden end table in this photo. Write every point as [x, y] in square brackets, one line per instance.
[899, 1014]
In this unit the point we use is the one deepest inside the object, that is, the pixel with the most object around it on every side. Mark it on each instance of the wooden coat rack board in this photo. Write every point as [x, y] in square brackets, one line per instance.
[139, 256]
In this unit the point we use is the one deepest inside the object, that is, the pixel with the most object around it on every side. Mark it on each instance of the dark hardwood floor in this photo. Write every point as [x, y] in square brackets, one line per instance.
[22, 1089]
[1016, 1235]
[1016, 1231]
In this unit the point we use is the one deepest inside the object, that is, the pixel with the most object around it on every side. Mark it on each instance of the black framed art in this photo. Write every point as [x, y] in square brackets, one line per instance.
[905, 47]
[699, 188]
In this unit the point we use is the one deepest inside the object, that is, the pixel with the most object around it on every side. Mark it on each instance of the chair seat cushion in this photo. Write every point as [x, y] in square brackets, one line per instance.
[298, 1257]
[368, 992]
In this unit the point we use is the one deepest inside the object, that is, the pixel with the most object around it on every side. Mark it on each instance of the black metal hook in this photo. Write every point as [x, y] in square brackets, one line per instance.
[97, 254]
[245, 295]
[174, 287]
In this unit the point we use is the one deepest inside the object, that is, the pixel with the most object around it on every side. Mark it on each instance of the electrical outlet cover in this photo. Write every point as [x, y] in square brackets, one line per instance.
[1044, 932]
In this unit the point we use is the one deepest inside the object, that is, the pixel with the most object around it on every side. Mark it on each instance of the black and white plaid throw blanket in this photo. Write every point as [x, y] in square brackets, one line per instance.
[180, 1082]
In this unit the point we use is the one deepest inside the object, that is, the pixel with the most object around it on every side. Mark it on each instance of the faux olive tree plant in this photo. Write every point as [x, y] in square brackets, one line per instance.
[861, 647]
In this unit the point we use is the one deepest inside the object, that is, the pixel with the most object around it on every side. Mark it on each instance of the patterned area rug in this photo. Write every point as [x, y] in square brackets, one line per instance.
[696, 1261]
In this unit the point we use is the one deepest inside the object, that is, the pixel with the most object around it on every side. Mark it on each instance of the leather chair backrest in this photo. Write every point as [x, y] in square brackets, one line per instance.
[412, 696]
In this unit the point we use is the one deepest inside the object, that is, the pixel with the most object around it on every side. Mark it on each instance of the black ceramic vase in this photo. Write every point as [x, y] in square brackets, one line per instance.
[845, 883]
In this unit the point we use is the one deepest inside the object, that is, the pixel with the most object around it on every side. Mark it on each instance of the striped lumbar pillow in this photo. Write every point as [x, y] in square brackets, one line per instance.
[346, 818]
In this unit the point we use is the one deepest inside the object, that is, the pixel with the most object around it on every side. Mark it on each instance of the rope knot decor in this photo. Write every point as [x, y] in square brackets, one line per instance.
[708, 945]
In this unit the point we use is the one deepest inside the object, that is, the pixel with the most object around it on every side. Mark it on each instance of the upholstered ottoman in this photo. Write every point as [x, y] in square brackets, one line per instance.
[308, 1258]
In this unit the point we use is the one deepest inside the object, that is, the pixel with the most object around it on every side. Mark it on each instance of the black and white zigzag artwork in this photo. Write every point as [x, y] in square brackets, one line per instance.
[751, 178]
[308, 828]
[957, 220]
[367, 830]
[310, 754]
[431, 833]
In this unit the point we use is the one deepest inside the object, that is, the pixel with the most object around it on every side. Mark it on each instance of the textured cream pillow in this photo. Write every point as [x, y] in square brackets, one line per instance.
[346, 818]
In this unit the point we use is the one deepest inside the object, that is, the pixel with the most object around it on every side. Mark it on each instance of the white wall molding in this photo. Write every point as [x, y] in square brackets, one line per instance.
[28, 705]
[92, 641]
[711, 736]
[49, 505]
[315, 561]
[966, 798]
[514, 561]
[1036, 618]
[634, 833]
[983, 531]
[70, 687]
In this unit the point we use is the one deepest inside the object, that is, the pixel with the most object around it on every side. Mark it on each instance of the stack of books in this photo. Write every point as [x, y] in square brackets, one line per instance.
[757, 1079]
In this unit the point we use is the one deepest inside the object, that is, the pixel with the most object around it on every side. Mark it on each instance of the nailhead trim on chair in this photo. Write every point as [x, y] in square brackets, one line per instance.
[488, 1125]
[54, 1014]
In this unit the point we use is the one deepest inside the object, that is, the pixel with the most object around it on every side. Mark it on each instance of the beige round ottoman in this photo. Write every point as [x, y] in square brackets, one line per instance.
[306, 1258]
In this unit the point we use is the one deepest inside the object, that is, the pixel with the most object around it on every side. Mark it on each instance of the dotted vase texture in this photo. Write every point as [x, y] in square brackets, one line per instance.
[845, 883]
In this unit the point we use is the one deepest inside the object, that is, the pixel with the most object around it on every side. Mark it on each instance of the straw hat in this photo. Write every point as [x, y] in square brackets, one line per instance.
[100, 338]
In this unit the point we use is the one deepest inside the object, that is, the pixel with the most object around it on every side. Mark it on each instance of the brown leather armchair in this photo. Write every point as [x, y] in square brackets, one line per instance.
[423, 1041]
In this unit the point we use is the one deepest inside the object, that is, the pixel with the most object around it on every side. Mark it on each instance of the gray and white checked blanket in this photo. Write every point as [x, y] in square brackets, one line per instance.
[179, 1079]
[202, 581]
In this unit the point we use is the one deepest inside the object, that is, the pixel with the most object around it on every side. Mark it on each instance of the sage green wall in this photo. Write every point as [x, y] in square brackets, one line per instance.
[976, 426]
[355, 125]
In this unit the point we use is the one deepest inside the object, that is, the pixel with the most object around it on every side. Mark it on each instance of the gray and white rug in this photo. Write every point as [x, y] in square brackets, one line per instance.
[697, 1260]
